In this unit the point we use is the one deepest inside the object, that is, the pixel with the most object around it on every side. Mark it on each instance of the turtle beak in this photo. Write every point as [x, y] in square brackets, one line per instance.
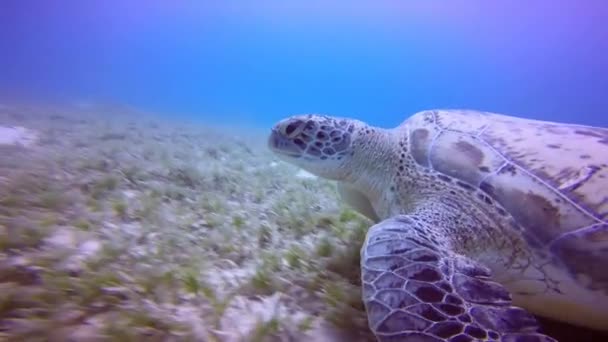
[278, 143]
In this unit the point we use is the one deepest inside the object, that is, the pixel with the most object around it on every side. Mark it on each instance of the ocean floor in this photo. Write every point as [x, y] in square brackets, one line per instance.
[121, 226]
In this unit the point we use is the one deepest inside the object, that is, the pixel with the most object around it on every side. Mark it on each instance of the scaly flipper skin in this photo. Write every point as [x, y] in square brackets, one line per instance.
[414, 289]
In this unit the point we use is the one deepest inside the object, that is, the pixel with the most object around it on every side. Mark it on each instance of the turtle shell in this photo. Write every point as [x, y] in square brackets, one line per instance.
[552, 178]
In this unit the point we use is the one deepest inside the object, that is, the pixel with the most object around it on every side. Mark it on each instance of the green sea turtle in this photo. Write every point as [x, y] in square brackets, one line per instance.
[481, 219]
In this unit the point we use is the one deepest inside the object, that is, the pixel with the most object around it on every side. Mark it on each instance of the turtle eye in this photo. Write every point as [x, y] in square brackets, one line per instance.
[292, 129]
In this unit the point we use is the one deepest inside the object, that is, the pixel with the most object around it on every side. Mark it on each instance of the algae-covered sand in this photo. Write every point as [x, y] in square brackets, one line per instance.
[118, 226]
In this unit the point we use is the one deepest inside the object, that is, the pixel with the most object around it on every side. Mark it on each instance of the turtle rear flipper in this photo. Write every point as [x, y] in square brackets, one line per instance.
[415, 289]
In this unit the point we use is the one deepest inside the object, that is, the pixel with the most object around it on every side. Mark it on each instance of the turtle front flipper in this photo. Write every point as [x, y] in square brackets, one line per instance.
[415, 289]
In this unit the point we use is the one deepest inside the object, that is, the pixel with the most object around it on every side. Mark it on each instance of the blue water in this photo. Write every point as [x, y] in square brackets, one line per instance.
[258, 61]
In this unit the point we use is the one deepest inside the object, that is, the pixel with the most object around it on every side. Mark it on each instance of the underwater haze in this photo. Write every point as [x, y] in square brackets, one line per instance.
[258, 61]
[145, 197]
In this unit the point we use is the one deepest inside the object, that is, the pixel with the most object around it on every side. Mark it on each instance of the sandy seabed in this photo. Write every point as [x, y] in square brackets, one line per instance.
[117, 225]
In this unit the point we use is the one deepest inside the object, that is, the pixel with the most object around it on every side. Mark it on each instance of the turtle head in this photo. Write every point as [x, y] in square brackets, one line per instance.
[319, 144]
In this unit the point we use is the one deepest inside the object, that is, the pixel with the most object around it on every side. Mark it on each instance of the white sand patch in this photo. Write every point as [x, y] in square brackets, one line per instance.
[305, 175]
[89, 248]
[245, 314]
[17, 136]
[62, 238]
[129, 194]
[81, 250]
[302, 174]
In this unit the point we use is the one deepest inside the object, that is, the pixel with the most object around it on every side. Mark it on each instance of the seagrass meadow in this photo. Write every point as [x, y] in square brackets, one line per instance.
[118, 225]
